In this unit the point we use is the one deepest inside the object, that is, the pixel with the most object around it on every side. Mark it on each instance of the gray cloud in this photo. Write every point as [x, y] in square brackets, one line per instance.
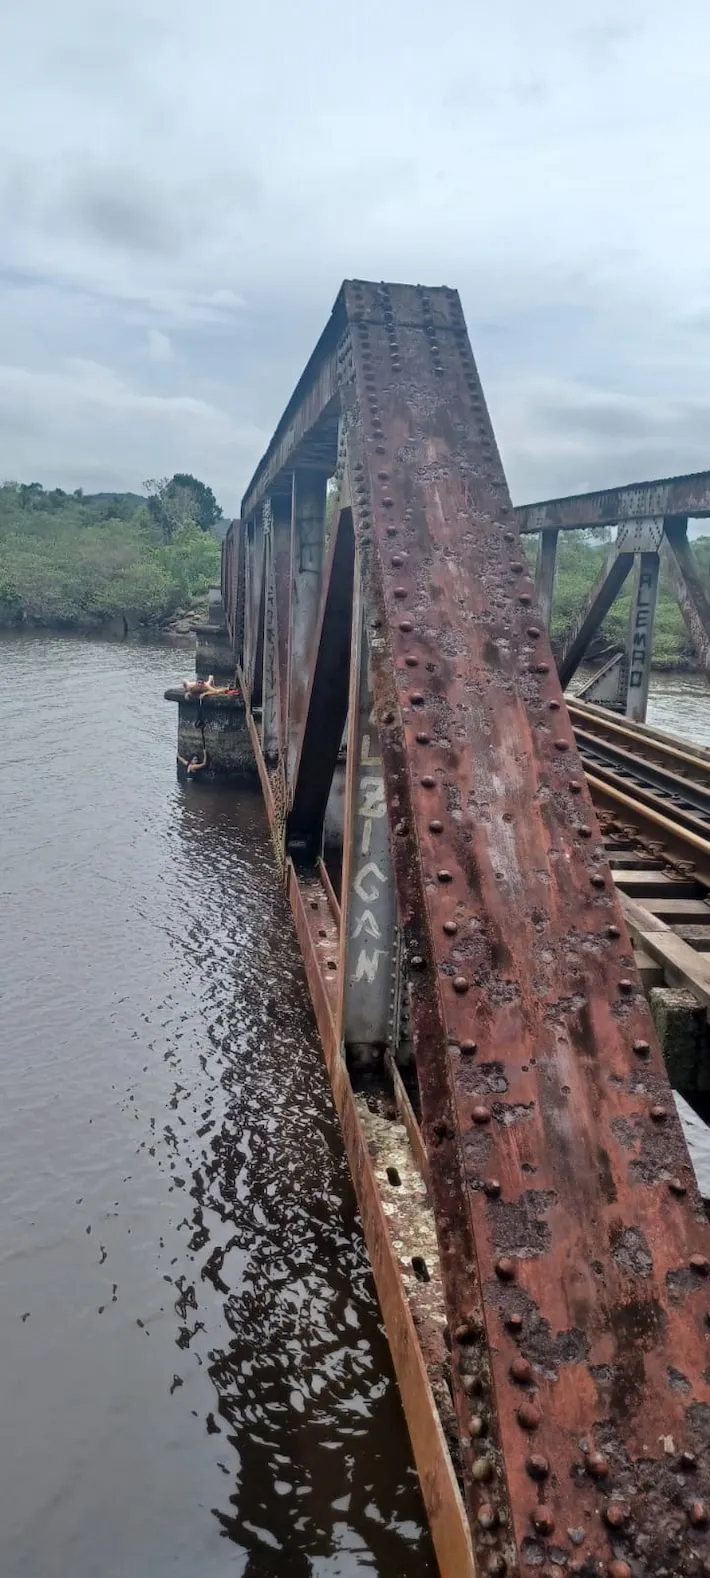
[185, 187]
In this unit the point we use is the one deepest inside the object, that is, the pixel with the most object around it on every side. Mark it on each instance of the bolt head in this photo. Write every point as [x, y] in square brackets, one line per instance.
[616, 1514]
[529, 1416]
[537, 1466]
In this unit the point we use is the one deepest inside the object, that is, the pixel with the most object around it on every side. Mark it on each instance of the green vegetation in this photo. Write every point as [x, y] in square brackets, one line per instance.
[580, 557]
[75, 560]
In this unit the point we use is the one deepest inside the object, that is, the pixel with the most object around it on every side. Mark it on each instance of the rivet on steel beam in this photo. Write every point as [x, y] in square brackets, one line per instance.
[625, 985]
[612, 933]
[481, 1470]
[619, 1570]
[380, 449]
[443, 876]
[505, 1268]
[616, 1514]
[487, 1516]
[387, 718]
[460, 985]
[574, 786]
[406, 625]
[542, 1519]
[677, 1187]
[416, 698]
[698, 1514]
[492, 1187]
[554, 706]
[700, 1265]
[509, 536]
[450, 928]
[400, 592]
[417, 962]
[387, 504]
[517, 567]
[525, 598]
[383, 476]
[529, 1416]
[596, 1465]
[542, 668]
[477, 1427]
[521, 1371]
[436, 827]
[397, 559]
[469, 1048]
[514, 1322]
[422, 739]
[481, 1115]
[402, 829]
[641, 1048]
[428, 782]
[534, 633]
[584, 831]
[659, 1114]
[561, 745]
[597, 879]
[497, 1565]
[411, 661]
[537, 1466]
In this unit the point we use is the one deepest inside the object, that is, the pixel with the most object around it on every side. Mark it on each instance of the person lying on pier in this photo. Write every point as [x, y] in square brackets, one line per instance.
[194, 765]
[197, 687]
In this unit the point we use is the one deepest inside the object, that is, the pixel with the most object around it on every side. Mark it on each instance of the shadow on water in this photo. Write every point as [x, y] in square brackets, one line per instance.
[196, 1377]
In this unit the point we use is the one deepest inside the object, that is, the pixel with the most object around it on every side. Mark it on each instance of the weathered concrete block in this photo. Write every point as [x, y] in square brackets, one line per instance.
[222, 723]
[213, 653]
[682, 1029]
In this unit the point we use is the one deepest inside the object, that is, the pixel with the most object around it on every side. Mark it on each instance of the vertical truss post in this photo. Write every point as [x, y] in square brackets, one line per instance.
[254, 610]
[281, 564]
[368, 935]
[307, 559]
[640, 638]
[269, 724]
[545, 573]
[690, 586]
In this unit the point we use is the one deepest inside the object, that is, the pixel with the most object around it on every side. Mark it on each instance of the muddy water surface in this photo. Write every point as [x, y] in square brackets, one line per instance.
[194, 1379]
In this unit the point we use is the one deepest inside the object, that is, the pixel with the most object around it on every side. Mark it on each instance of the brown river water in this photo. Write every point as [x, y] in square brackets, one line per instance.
[195, 1382]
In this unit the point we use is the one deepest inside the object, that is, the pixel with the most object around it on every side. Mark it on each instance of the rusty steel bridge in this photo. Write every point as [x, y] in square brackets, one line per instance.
[478, 874]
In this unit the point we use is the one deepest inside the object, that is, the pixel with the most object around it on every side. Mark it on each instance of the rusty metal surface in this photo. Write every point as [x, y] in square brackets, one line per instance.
[573, 1242]
[688, 495]
[445, 1510]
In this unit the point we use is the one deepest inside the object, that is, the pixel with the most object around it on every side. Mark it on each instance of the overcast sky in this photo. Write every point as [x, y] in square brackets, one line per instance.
[184, 186]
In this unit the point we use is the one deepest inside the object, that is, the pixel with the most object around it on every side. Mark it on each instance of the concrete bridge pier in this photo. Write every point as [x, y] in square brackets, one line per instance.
[221, 723]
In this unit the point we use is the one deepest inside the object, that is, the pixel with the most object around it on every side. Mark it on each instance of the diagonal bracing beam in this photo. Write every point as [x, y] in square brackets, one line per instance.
[604, 592]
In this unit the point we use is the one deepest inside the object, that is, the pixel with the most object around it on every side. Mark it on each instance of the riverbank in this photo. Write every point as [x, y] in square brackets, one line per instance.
[100, 564]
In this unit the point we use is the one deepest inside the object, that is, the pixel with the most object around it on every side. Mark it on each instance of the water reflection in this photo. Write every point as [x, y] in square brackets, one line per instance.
[196, 1376]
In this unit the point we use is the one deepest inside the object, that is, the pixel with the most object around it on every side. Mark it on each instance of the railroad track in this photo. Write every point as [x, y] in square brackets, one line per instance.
[652, 794]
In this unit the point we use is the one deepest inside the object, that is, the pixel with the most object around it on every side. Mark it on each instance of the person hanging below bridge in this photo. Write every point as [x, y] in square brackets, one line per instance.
[189, 768]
